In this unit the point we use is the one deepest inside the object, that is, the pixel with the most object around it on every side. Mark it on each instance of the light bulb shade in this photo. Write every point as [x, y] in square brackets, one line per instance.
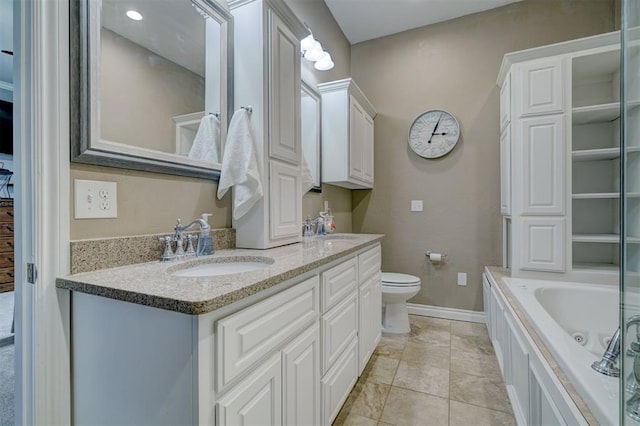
[324, 63]
[314, 53]
[307, 43]
[135, 15]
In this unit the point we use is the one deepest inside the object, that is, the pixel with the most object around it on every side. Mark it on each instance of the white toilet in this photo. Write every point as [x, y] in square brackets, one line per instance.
[396, 290]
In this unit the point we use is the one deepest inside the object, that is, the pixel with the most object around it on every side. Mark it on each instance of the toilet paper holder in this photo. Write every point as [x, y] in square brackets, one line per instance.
[429, 253]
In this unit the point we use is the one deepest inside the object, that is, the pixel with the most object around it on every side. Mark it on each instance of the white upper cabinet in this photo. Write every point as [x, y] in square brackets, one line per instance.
[505, 171]
[543, 168]
[541, 90]
[505, 103]
[285, 142]
[347, 135]
[267, 71]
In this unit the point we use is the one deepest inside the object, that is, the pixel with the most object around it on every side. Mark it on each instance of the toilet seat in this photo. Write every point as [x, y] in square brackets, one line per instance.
[393, 279]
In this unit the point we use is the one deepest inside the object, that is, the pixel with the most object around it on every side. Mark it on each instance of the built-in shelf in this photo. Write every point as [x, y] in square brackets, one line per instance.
[600, 154]
[595, 267]
[602, 238]
[603, 195]
[599, 113]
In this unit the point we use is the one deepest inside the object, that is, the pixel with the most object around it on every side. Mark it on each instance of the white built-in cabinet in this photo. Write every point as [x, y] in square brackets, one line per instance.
[290, 357]
[560, 159]
[267, 70]
[347, 135]
[536, 397]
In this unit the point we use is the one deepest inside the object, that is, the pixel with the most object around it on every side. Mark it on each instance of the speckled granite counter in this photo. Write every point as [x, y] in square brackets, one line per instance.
[152, 284]
[497, 274]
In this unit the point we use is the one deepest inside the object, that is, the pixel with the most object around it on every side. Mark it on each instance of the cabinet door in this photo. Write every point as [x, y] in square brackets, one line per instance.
[284, 92]
[505, 102]
[338, 382]
[541, 87]
[367, 149]
[356, 139]
[505, 171]
[301, 363]
[257, 400]
[365, 326]
[285, 203]
[369, 319]
[543, 186]
[542, 244]
[339, 327]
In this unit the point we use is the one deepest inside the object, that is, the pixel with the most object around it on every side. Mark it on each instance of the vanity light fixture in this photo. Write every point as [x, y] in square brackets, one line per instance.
[136, 16]
[325, 63]
[312, 51]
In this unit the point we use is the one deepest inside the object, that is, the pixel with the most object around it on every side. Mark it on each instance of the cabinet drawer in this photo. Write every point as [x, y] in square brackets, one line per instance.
[369, 263]
[339, 327]
[251, 334]
[338, 382]
[338, 282]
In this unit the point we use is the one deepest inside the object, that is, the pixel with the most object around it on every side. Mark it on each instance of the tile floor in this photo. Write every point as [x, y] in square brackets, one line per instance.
[442, 373]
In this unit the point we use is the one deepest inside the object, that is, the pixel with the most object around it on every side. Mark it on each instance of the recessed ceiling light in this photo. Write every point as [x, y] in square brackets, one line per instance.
[136, 16]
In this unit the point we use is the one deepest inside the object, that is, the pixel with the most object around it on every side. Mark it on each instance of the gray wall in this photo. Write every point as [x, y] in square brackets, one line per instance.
[452, 66]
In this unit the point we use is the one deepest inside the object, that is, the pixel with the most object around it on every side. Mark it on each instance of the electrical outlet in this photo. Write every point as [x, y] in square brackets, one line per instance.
[416, 205]
[462, 278]
[95, 199]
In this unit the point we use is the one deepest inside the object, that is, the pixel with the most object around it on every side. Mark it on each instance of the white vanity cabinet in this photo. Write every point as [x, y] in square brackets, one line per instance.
[347, 135]
[267, 78]
[560, 154]
[289, 355]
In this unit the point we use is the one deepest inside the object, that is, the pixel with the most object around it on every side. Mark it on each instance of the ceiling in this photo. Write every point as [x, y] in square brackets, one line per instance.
[362, 20]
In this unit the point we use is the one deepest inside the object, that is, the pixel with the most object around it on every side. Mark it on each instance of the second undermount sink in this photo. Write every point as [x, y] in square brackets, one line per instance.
[221, 266]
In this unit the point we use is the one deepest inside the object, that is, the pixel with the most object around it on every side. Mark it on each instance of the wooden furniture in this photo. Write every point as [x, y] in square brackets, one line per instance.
[267, 38]
[7, 257]
[560, 160]
[289, 355]
[347, 135]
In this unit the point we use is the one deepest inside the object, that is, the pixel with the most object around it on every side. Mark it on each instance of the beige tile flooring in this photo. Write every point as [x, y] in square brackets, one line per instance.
[442, 373]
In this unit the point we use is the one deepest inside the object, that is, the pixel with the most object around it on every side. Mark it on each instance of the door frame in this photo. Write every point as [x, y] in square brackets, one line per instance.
[43, 367]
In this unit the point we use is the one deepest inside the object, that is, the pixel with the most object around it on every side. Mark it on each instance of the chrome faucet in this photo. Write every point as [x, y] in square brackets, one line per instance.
[607, 365]
[205, 242]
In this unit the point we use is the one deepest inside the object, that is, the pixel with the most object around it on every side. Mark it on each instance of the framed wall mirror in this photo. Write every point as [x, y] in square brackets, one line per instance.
[151, 84]
[310, 129]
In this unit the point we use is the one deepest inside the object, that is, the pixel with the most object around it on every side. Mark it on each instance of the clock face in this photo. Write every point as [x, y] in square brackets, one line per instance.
[434, 133]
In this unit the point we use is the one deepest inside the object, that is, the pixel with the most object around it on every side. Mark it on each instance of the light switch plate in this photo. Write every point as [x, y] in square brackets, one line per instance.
[462, 278]
[416, 205]
[95, 199]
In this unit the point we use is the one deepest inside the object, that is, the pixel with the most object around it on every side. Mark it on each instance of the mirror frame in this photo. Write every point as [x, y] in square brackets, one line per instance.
[306, 87]
[86, 145]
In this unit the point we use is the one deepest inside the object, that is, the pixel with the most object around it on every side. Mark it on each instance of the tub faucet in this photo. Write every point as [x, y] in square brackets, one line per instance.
[607, 365]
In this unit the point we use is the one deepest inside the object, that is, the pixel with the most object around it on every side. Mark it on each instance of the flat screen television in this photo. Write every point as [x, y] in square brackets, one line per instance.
[6, 127]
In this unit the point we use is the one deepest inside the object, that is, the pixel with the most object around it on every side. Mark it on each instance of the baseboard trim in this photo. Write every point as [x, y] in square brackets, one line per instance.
[446, 313]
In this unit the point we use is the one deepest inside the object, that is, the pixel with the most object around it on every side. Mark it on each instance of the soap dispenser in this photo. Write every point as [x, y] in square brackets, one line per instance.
[205, 242]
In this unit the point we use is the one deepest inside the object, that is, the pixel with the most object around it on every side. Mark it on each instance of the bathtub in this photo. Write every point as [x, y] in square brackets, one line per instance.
[575, 321]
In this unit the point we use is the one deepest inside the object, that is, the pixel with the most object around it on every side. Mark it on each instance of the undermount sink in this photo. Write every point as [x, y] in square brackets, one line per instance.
[221, 266]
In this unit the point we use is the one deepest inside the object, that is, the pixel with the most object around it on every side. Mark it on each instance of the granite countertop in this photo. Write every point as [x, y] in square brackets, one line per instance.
[152, 284]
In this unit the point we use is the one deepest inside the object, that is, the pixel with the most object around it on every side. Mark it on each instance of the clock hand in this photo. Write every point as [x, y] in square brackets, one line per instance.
[434, 129]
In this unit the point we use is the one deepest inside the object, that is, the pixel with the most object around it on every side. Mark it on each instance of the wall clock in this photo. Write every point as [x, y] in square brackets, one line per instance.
[434, 133]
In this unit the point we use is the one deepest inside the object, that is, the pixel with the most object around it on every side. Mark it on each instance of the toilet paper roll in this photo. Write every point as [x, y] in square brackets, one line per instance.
[435, 257]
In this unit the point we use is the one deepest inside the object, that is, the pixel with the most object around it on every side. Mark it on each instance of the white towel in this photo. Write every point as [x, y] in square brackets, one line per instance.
[206, 144]
[240, 166]
[307, 179]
